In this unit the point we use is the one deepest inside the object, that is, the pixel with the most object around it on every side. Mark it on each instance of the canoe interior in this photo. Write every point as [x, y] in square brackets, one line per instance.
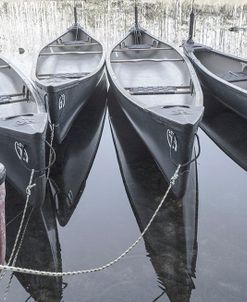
[231, 69]
[73, 55]
[153, 72]
[15, 97]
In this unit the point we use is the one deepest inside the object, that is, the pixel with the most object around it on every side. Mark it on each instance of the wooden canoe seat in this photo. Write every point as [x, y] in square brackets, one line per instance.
[146, 60]
[139, 46]
[235, 76]
[141, 49]
[70, 53]
[152, 90]
[63, 75]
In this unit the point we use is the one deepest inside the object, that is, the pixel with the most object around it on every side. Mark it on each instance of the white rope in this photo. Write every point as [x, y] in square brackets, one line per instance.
[97, 269]
[28, 192]
[50, 154]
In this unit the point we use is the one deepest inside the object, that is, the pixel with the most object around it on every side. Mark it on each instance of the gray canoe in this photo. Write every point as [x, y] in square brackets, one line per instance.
[225, 76]
[160, 94]
[171, 241]
[66, 73]
[23, 125]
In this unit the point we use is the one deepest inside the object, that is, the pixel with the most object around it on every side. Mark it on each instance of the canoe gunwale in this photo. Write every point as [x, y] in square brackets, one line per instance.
[132, 98]
[189, 51]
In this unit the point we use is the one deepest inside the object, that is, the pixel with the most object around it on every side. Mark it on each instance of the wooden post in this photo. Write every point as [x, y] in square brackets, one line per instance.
[2, 215]
[75, 15]
[192, 22]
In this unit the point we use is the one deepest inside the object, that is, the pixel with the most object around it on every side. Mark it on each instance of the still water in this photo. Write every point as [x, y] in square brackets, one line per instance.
[196, 249]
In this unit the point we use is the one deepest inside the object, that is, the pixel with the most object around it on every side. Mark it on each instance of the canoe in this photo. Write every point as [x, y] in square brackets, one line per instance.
[66, 73]
[171, 241]
[75, 156]
[223, 74]
[23, 125]
[160, 94]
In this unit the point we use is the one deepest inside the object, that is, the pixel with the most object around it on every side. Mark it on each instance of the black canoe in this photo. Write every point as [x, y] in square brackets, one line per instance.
[75, 156]
[66, 73]
[161, 96]
[171, 241]
[223, 74]
[23, 124]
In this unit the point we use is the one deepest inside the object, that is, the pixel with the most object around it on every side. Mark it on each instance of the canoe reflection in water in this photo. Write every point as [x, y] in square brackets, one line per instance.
[171, 241]
[226, 128]
[76, 154]
[40, 248]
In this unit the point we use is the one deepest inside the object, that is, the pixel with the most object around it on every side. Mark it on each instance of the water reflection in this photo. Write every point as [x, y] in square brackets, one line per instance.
[31, 24]
[171, 242]
[76, 154]
[225, 128]
[40, 248]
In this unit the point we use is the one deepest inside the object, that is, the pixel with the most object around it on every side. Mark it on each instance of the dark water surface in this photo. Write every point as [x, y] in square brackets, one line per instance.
[195, 250]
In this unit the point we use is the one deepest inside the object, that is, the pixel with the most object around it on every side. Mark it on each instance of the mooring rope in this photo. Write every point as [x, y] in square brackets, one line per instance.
[100, 268]
[52, 151]
[28, 194]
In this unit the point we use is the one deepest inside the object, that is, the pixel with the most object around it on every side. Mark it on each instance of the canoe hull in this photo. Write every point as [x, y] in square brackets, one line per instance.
[23, 149]
[155, 132]
[64, 104]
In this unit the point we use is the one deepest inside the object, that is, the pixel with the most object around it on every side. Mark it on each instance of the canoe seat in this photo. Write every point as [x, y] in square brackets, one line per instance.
[131, 49]
[235, 76]
[63, 75]
[151, 90]
[139, 46]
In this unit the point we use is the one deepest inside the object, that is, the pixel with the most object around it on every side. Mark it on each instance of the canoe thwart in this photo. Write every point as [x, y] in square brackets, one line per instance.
[235, 76]
[152, 90]
[8, 98]
[69, 44]
[63, 75]
[4, 66]
[146, 60]
[70, 53]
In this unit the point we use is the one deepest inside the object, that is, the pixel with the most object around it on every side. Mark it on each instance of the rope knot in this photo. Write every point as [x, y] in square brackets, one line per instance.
[29, 188]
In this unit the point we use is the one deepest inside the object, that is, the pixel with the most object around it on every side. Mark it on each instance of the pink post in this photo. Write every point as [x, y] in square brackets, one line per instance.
[2, 215]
